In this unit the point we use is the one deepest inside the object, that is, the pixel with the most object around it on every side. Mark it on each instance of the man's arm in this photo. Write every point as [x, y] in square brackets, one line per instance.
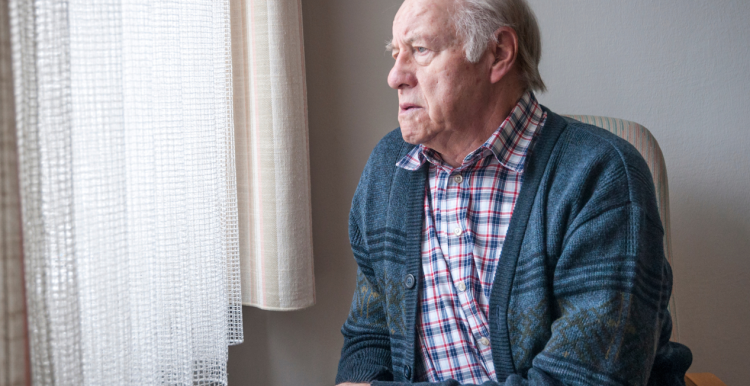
[366, 354]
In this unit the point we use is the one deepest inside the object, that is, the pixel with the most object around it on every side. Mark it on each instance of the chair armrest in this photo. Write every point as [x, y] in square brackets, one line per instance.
[702, 379]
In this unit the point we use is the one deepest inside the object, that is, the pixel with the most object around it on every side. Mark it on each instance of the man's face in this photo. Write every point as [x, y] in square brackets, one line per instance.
[440, 93]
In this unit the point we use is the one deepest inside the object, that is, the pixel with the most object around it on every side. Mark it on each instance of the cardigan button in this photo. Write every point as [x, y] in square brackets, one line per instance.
[407, 372]
[409, 281]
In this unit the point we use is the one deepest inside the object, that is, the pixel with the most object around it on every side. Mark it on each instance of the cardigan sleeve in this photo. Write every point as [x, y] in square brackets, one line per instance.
[366, 354]
[611, 287]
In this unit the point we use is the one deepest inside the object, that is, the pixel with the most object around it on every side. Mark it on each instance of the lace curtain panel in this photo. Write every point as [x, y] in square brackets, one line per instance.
[273, 172]
[125, 146]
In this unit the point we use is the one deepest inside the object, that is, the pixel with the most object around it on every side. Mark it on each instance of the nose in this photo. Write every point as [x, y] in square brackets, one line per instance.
[402, 73]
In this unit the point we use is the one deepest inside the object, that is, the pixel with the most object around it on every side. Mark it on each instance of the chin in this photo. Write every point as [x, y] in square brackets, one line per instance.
[411, 135]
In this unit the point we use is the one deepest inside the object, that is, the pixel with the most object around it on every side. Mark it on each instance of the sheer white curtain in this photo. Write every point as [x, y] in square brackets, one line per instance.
[273, 170]
[126, 163]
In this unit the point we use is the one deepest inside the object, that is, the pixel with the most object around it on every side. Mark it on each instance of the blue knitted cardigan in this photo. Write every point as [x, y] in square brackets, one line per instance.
[582, 286]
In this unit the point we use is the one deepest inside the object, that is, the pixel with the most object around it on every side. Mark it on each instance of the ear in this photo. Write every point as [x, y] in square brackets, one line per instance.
[504, 53]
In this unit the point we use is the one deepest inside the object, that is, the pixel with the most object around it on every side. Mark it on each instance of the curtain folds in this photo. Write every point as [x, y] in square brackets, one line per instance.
[13, 343]
[273, 173]
[126, 164]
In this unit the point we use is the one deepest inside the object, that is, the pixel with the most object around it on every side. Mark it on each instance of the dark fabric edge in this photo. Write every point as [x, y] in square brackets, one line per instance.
[502, 285]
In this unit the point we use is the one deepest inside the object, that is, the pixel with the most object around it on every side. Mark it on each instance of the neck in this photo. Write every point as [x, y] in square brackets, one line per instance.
[456, 144]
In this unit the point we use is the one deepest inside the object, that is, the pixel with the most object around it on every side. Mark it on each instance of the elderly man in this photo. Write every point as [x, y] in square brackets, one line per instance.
[497, 242]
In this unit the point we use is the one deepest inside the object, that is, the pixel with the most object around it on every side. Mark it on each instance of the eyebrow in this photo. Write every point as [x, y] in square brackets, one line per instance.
[390, 47]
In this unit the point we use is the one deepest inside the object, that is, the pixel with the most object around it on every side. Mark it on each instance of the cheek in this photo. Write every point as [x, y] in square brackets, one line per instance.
[440, 92]
[452, 93]
[446, 91]
[465, 88]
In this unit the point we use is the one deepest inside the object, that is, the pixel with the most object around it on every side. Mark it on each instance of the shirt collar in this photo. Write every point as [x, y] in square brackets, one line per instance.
[509, 143]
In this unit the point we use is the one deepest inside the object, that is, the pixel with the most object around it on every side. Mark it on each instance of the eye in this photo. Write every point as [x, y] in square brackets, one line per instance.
[421, 50]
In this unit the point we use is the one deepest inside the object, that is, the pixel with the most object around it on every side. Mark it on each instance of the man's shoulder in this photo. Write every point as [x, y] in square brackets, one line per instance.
[601, 160]
[381, 174]
[389, 150]
[584, 144]
[588, 142]
[392, 145]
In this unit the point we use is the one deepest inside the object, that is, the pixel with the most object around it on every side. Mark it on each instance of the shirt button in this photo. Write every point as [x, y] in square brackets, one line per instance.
[458, 231]
[458, 178]
[461, 286]
[484, 341]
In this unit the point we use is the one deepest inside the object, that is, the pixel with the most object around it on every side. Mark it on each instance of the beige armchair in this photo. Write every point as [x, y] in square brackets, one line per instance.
[646, 144]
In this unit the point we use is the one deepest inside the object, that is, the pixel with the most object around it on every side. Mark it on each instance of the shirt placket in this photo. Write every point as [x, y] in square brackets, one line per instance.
[461, 267]
[459, 257]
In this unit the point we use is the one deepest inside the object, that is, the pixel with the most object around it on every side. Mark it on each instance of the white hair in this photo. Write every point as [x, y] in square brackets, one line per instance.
[477, 20]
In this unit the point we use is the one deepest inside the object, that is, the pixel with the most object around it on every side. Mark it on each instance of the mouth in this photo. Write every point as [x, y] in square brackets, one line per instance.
[404, 108]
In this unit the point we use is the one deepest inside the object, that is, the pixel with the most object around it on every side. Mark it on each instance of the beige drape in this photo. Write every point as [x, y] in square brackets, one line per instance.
[13, 343]
[273, 178]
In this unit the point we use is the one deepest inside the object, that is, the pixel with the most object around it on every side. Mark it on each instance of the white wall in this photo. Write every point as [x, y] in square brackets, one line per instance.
[679, 67]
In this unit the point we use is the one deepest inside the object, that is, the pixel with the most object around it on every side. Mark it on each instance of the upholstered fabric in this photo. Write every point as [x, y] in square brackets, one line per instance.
[646, 144]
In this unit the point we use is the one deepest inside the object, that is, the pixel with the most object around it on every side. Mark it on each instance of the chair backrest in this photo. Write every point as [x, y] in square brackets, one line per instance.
[646, 144]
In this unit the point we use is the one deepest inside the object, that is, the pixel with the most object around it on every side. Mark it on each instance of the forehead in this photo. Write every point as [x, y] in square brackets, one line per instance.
[424, 19]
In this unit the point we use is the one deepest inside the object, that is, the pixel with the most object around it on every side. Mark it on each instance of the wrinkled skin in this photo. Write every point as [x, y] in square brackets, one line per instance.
[445, 102]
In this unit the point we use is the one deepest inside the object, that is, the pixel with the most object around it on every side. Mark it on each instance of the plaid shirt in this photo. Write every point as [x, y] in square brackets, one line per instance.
[467, 213]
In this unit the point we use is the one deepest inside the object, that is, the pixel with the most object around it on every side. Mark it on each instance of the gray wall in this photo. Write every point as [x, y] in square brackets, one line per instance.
[679, 67]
